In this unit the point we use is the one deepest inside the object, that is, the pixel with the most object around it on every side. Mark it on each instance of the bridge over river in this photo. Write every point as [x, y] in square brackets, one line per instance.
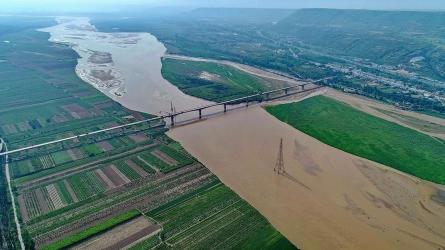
[173, 118]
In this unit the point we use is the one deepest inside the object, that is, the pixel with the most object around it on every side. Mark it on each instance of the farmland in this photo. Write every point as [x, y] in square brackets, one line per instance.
[68, 192]
[93, 230]
[356, 132]
[214, 81]
[215, 216]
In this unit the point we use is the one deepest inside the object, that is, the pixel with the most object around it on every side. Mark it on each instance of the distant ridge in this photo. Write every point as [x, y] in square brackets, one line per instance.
[245, 15]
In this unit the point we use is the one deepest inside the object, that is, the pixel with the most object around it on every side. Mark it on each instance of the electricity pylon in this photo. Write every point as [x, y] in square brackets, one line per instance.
[279, 165]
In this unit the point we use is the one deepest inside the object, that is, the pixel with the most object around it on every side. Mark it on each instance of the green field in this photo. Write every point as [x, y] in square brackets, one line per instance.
[216, 217]
[99, 228]
[212, 81]
[356, 132]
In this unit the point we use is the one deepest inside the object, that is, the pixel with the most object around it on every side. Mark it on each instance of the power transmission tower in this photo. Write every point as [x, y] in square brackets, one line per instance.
[279, 165]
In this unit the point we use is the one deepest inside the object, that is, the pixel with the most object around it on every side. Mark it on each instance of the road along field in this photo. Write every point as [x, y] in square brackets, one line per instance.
[328, 199]
[431, 125]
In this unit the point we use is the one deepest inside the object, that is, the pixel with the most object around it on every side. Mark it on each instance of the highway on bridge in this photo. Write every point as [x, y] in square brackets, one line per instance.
[259, 98]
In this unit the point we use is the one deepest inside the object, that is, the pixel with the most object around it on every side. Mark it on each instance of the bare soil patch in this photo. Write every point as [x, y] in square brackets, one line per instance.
[108, 183]
[59, 118]
[41, 200]
[75, 153]
[106, 146]
[121, 236]
[22, 207]
[121, 175]
[76, 111]
[136, 168]
[138, 137]
[113, 176]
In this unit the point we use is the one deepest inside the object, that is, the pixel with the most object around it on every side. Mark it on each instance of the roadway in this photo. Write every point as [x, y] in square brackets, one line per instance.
[246, 99]
[8, 180]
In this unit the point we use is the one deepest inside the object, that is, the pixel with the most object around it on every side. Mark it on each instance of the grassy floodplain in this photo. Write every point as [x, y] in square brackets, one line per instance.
[356, 132]
[213, 81]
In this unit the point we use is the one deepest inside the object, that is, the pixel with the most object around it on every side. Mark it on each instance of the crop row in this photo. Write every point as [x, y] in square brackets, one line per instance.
[96, 229]
[84, 208]
[155, 161]
[31, 204]
[63, 193]
[149, 243]
[215, 217]
[85, 185]
[142, 164]
[181, 158]
[127, 170]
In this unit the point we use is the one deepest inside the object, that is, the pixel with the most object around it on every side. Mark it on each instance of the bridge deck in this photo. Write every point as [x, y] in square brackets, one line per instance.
[265, 96]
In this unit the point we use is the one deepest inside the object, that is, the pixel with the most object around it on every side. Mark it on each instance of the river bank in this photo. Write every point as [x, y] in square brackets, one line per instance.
[124, 66]
[328, 199]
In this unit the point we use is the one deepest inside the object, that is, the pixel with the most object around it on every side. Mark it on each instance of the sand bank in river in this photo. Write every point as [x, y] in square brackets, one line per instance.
[329, 199]
[124, 66]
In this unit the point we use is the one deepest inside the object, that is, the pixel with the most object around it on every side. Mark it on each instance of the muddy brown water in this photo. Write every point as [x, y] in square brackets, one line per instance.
[328, 199]
[134, 76]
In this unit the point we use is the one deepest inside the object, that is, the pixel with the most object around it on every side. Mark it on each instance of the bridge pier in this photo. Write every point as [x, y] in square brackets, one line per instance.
[302, 87]
[225, 108]
[172, 119]
[200, 113]
[286, 91]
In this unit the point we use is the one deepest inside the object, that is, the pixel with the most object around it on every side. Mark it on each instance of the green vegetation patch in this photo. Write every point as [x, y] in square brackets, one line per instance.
[149, 243]
[356, 132]
[94, 230]
[127, 170]
[155, 162]
[181, 158]
[85, 185]
[61, 157]
[216, 217]
[212, 81]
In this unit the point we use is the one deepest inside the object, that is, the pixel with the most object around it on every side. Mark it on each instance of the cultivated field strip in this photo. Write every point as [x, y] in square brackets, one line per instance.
[54, 195]
[213, 218]
[141, 196]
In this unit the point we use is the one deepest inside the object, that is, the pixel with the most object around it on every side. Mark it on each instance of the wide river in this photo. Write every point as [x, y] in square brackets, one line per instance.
[124, 66]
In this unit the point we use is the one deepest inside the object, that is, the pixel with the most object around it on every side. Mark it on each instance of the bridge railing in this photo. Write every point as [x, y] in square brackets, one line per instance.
[264, 96]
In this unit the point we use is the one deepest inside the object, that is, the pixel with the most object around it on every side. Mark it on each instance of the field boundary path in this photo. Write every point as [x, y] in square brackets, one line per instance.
[8, 180]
